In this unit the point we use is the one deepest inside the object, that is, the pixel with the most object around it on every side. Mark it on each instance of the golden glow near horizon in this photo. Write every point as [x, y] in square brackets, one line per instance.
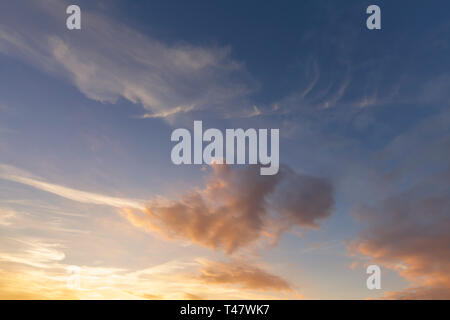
[37, 268]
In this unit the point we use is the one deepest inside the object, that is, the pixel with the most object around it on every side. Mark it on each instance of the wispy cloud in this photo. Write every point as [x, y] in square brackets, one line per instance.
[36, 269]
[168, 113]
[6, 216]
[109, 61]
[14, 174]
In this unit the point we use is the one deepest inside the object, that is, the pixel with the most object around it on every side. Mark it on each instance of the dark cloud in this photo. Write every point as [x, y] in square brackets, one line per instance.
[303, 200]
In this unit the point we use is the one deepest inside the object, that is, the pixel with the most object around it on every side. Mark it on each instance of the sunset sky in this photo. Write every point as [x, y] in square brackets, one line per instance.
[86, 177]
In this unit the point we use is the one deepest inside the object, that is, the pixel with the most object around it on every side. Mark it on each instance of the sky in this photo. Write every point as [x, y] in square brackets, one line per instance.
[87, 181]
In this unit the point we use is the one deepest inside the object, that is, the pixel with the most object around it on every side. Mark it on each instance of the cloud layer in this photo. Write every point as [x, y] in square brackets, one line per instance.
[34, 268]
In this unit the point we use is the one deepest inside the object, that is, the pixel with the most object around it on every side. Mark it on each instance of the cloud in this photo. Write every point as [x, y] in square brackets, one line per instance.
[303, 200]
[35, 253]
[238, 207]
[241, 273]
[168, 113]
[409, 234]
[107, 60]
[14, 174]
[404, 209]
[34, 268]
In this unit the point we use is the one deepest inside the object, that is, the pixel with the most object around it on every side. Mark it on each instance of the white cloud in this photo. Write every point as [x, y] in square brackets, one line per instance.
[107, 60]
[13, 174]
[168, 113]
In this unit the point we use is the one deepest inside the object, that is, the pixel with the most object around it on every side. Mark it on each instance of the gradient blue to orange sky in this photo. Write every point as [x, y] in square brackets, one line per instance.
[86, 177]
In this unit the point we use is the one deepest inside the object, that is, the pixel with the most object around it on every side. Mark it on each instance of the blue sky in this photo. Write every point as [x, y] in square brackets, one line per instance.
[365, 112]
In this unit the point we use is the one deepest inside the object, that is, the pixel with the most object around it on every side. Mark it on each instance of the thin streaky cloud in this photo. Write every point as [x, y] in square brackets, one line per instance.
[11, 173]
[165, 114]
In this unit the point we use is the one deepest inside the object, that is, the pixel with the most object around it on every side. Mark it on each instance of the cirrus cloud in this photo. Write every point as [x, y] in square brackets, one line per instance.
[108, 61]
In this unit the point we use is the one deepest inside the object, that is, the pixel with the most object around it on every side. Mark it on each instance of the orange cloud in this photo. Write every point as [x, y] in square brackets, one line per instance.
[243, 274]
[409, 233]
[237, 207]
